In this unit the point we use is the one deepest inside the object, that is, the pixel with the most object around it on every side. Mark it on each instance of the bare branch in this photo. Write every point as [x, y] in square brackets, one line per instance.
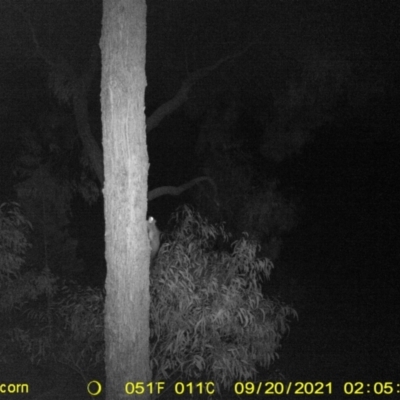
[181, 96]
[177, 190]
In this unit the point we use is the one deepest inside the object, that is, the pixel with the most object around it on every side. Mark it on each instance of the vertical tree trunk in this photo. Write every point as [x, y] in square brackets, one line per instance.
[125, 195]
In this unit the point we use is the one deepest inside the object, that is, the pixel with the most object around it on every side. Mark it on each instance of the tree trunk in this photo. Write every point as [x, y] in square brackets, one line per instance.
[125, 196]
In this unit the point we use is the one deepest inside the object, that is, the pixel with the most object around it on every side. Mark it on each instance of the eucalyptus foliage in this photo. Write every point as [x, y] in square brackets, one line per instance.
[209, 319]
[76, 337]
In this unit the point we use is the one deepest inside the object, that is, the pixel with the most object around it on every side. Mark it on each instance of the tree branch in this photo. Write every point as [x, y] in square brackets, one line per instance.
[182, 95]
[177, 190]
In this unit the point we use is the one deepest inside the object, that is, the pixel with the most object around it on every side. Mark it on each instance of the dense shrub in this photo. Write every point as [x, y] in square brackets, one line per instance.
[209, 319]
[73, 335]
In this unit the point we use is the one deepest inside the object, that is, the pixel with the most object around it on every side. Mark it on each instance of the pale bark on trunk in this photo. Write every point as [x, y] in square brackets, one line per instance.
[125, 196]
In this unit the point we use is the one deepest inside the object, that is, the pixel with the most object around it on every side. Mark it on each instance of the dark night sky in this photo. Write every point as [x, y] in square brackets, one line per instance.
[342, 57]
